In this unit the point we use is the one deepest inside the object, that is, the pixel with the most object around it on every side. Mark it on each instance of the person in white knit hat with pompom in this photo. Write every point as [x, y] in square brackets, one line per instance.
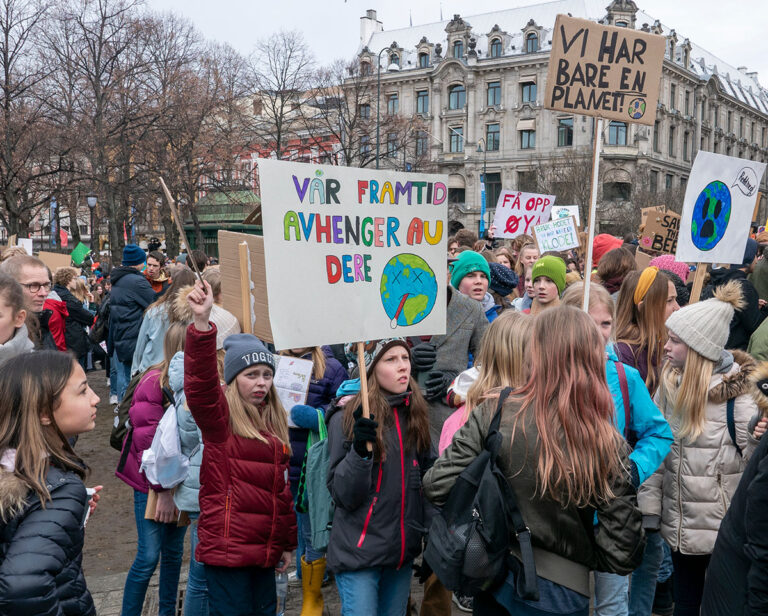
[705, 396]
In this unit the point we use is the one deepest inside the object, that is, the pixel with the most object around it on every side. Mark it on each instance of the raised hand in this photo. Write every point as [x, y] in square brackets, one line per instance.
[200, 301]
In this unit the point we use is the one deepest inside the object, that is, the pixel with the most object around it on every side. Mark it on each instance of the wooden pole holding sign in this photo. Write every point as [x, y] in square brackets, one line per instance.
[245, 286]
[592, 210]
[179, 226]
[698, 282]
[363, 384]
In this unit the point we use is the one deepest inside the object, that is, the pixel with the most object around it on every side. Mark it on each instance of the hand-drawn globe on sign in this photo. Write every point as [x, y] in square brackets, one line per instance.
[711, 214]
[636, 109]
[408, 289]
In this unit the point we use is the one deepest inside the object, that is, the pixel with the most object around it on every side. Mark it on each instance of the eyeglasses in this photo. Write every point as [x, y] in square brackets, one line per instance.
[34, 287]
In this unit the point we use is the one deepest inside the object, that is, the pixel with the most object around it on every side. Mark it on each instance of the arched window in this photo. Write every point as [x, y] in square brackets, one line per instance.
[532, 42]
[457, 97]
[423, 60]
[496, 48]
[458, 49]
[622, 24]
[394, 59]
[365, 68]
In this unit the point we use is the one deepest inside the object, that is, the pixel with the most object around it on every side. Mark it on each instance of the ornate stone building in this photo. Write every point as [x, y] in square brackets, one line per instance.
[478, 84]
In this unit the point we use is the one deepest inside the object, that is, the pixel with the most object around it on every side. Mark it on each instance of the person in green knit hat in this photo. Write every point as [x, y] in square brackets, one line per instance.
[470, 275]
[548, 275]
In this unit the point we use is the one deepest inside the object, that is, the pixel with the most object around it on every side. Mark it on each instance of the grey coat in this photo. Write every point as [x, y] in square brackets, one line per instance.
[464, 328]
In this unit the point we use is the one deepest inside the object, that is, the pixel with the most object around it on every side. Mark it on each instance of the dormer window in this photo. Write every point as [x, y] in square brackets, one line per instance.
[423, 60]
[531, 42]
[365, 68]
[458, 49]
[394, 59]
[495, 50]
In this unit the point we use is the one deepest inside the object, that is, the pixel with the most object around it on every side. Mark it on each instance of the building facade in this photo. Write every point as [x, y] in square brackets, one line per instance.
[478, 85]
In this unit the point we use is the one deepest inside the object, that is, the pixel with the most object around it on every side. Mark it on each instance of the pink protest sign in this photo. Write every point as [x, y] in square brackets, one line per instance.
[518, 212]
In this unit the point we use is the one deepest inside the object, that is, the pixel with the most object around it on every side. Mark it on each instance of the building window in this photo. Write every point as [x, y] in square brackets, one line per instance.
[492, 189]
[762, 132]
[392, 145]
[394, 59]
[496, 48]
[672, 96]
[494, 93]
[656, 126]
[716, 111]
[617, 191]
[456, 196]
[671, 144]
[393, 104]
[492, 137]
[621, 24]
[458, 49]
[687, 102]
[421, 143]
[564, 132]
[528, 92]
[365, 146]
[423, 60]
[365, 68]
[683, 183]
[457, 97]
[668, 181]
[617, 133]
[365, 111]
[654, 182]
[741, 128]
[686, 152]
[457, 138]
[527, 139]
[422, 101]
[730, 121]
[532, 42]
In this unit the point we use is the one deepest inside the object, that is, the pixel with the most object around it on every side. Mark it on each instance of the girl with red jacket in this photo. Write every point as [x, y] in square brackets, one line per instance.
[247, 526]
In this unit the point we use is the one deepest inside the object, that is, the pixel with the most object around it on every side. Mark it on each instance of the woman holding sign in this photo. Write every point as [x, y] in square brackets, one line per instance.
[247, 526]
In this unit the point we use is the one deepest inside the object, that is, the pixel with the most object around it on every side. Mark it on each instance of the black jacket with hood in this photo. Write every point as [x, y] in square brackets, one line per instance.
[129, 298]
[79, 318]
[746, 320]
[41, 549]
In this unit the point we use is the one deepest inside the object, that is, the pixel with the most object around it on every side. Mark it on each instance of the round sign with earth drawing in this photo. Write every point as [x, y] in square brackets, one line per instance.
[636, 109]
[711, 214]
[408, 289]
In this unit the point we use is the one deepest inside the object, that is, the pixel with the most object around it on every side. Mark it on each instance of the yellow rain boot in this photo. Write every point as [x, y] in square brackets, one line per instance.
[311, 583]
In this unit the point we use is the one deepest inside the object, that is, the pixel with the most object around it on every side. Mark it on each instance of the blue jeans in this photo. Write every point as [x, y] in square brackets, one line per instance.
[122, 376]
[305, 540]
[611, 594]
[163, 542]
[196, 597]
[666, 569]
[241, 591]
[377, 591]
[643, 586]
[112, 375]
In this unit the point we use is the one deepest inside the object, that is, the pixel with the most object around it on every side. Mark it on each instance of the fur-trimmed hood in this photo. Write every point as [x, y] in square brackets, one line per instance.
[735, 382]
[13, 495]
[759, 379]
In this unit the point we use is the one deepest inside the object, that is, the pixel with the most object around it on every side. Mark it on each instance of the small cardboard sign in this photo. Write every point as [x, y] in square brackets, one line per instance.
[642, 259]
[604, 71]
[518, 212]
[54, 260]
[660, 233]
[557, 235]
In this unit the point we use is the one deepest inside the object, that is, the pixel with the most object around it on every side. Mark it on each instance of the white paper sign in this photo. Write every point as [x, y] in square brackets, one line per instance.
[557, 235]
[291, 380]
[518, 212]
[717, 211]
[352, 254]
[563, 211]
[26, 244]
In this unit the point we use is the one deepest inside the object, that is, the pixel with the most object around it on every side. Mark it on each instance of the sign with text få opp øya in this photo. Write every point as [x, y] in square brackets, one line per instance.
[604, 71]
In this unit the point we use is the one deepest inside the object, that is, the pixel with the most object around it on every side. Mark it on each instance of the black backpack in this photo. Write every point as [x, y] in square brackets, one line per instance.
[100, 329]
[469, 540]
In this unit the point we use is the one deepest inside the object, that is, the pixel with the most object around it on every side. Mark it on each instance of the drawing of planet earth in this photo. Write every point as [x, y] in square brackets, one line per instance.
[636, 109]
[408, 289]
[711, 214]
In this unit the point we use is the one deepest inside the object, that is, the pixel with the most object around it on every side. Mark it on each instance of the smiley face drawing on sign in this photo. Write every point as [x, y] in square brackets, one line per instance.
[711, 215]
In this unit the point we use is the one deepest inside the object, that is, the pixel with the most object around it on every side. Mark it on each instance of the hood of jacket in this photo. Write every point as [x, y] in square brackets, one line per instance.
[176, 373]
[736, 382]
[720, 276]
[13, 491]
[56, 305]
[122, 271]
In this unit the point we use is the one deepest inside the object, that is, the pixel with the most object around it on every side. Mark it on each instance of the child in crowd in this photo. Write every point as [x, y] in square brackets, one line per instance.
[14, 337]
[548, 275]
[528, 255]
[525, 301]
[470, 275]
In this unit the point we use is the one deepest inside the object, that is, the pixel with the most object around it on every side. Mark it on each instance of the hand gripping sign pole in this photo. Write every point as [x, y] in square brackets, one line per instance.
[363, 384]
[179, 227]
[592, 210]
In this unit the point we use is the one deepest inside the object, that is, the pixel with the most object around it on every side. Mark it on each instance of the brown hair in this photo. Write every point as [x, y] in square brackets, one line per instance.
[183, 278]
[503, 250]
[465, 237]
[212, 276]
[614, 267]
[12, 293]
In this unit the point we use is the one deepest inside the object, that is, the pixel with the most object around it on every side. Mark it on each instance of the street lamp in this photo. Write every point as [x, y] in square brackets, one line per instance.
[484, 150]
[378, 99]
[91, 201]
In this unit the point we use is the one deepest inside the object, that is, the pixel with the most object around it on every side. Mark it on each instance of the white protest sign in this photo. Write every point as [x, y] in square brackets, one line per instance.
[26, 244]
[352, 254]
[558, 235]
[563, 211]
[292, 377]
[518, 212]
[717, 210]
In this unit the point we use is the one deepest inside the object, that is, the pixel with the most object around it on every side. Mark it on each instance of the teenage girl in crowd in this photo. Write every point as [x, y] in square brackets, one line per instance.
[637, 418]
[44, 401]
[525, 301]
[548, 275]
[380, 520]
[14, 336]
[528, 255]
[327, 376]
[159, 539]
[614, 267]
[504, 257]
[564, 460]
[470, 276]
[247, 525]
[694, 487]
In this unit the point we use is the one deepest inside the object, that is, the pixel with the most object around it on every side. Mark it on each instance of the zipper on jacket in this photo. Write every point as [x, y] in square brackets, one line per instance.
[370, 510]
[722, 491]
[679, 498]
[402, 490]
[227, 510]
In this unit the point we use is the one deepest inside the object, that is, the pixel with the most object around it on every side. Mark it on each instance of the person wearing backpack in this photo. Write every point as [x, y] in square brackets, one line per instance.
[564, 461]
[159, 536]
[380, 515]
[247, 525]
[705, 394]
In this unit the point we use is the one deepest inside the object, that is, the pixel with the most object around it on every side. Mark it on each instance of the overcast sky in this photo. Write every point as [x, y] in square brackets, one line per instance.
[734, 30]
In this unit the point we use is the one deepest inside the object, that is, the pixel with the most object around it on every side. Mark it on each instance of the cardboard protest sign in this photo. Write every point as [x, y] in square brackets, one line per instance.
[518, 212]
[352, 254]
[717, 210]
[660, 233]
[563, 211]
[292, 377]
[558, 235]
[642, 259]
[604, 71]
[54, 260]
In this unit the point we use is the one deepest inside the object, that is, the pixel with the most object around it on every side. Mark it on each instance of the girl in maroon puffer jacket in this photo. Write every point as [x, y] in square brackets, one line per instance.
[247, 526]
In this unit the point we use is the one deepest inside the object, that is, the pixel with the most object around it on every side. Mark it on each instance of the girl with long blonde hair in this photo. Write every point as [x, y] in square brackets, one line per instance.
[564, 460]
[247, 525]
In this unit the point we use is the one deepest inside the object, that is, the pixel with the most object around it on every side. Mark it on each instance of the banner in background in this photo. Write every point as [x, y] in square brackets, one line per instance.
[518, 212]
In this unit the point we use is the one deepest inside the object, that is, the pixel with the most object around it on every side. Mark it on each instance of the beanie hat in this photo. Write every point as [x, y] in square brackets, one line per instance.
[553, 268]
[244, 351]
[373, 352]
[601, 244]
[750, 252]
[503, 280]
[133, 255]
[668, 263]
[705, 326]
[468, 262]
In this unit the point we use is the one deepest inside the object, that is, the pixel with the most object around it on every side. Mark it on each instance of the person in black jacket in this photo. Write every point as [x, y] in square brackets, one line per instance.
[78, 318]
[44, 400]
[749, 318]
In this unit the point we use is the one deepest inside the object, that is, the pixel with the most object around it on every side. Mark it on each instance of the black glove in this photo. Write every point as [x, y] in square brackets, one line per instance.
[364, 431]
[436, 384]
[424, 356]
[422, 572]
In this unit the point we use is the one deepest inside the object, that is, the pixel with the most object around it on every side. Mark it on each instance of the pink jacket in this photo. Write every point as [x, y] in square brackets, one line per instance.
[451, 427]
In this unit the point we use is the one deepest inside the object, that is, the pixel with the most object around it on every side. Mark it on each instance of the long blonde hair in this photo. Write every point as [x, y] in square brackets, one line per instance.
[249, 421]
[687, 391]
[502, 360]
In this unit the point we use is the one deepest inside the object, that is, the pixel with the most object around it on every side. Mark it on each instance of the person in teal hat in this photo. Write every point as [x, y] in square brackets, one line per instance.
[470, 275]
[548, 275]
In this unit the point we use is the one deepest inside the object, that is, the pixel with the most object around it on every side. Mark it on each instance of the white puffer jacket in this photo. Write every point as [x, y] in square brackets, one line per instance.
[692, 489]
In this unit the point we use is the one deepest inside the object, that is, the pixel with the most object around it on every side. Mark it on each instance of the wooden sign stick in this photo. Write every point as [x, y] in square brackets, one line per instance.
[698, 282]
[245, 287]
[363, 383]
[179, 227]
